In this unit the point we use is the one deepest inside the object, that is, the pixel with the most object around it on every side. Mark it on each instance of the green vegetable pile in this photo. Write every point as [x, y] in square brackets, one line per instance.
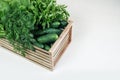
[29, 23]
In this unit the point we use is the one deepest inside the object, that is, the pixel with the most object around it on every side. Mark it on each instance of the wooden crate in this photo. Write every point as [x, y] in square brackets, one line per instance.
[47, 59]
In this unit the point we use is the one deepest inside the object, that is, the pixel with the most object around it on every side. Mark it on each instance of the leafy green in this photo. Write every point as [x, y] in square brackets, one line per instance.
[2, 31]
[48, 11]
[4, 8]
[21, 19]
[18, 25]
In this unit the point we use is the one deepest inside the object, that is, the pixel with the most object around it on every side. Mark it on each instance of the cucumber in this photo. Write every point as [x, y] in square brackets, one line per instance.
[63, 24]
[50, 30]
[48, 38]
[36, 33]
[55, 24]
[38, 45]
[47, 47]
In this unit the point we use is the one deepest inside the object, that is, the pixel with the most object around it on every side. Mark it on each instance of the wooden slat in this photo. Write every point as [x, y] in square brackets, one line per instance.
[60, 46]
[56, 44]
[64, 47]
[42, 50]
[38, 53]
[37, 49]
[43, 65]
[27, 55]
[57, 52]
[30, 57]
[60, 54]
[39, 57]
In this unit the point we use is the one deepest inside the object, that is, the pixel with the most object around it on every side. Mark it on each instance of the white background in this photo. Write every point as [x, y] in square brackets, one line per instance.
[94, 53]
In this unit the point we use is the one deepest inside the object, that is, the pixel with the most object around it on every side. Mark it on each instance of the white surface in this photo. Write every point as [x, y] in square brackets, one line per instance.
[94, 53]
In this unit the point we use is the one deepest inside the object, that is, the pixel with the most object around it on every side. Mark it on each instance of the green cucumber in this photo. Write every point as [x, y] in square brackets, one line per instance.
[38, 45]
[63, 24]
[47, 47]
[48, 38]
[55, 24]
[50, 30]
[36, 33]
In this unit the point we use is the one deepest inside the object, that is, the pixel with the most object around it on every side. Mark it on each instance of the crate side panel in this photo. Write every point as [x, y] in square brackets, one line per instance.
[28, 56]
[63, 48]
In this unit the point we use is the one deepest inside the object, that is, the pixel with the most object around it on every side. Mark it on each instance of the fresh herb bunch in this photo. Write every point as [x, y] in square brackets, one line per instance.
[21, 19]
[47, 12]
[18, 23]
